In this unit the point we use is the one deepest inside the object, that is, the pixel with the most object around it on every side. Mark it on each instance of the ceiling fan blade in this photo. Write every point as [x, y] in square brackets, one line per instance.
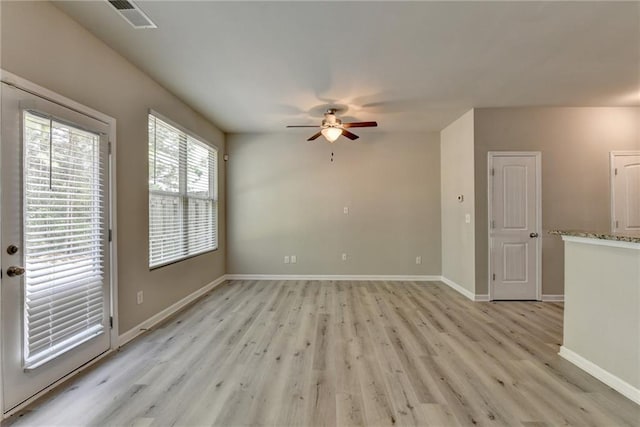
[302, 126]
[349, 135]
[360, 125]
[314, 136]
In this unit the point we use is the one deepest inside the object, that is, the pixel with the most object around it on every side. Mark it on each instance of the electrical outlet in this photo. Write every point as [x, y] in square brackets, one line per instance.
[139, 297]
[418, 260]
[467, 218]
[346, 210]
[286, 259]
[344, 257]
[294, 259]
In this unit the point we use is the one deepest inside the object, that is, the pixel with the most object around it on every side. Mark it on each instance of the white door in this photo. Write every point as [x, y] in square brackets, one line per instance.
[625, 191]
[515, 226]
[55, 285]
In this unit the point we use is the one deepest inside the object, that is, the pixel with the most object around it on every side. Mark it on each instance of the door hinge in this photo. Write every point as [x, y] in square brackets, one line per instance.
[494, 276]
[617, 225]
[110, 235]
[615, 171]
[493, 223]
[493, 172]
[111, 322]
[109, 147]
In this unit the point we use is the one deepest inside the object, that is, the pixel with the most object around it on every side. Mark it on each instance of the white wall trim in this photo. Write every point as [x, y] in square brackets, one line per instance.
[552, 298]
[464, 291]
[159, 317]
[428, 278]
[332, 277]
[606, 377]
[42, 92]
[459, 288]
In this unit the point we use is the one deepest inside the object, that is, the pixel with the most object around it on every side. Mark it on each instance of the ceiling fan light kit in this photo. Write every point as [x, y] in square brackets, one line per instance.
[332, 127]
[331, 134]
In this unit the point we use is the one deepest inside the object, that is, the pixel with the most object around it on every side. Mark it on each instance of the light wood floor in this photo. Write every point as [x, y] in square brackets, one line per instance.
[340, 353]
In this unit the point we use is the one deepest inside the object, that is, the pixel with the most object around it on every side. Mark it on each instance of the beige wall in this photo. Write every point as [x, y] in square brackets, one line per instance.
[457, 178]
[41, 44]
[285, 197]
[575, 145]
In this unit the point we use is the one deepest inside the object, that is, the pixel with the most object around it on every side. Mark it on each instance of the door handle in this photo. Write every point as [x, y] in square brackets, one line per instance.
[14, 270]
[532, 235]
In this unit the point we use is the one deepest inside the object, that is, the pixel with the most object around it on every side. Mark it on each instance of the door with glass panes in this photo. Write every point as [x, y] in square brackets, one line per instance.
[55, 290]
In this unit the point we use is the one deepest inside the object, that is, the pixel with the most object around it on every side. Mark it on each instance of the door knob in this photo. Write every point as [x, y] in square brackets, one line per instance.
[14, 270]
[533, 235]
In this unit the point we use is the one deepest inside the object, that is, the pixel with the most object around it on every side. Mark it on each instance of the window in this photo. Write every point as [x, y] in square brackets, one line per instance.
[64, 236]
[183, 206]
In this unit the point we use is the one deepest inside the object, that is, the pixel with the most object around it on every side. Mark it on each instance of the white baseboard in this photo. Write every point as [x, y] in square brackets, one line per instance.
[552, 298]
[603, 375]
[159, 317]
[332, 277]
[464, 291]
[399, 278]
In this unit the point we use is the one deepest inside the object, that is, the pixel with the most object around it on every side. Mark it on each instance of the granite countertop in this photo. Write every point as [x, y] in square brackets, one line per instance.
[620, 237]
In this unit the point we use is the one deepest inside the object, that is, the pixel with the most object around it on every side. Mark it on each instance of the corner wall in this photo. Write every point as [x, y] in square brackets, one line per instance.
[457, 178]
[43, 45]
[575, 145]
[286, 197]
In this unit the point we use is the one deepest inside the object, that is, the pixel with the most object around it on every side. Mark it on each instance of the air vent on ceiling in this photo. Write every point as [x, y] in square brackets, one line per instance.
[132, 14]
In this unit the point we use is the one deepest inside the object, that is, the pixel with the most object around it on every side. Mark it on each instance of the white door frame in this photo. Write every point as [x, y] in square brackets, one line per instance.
[30, 87]
[612, 159]
[538, 156]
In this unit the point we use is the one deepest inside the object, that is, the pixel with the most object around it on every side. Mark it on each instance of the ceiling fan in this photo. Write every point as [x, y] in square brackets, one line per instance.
[332, 127]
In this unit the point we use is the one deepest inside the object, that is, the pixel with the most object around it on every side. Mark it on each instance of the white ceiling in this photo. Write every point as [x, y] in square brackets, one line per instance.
[258, 66]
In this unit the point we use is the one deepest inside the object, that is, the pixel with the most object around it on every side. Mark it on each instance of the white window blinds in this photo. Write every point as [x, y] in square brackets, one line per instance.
[64, 232]
[183, 206]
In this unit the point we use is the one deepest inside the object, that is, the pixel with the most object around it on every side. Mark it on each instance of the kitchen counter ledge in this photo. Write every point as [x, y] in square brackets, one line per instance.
[619, 237]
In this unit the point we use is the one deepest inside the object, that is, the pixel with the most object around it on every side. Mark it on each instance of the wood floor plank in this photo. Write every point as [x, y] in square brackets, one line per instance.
[348, 353]
[299, 377]
[405, 401]
[349, 405]
[377, 405]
